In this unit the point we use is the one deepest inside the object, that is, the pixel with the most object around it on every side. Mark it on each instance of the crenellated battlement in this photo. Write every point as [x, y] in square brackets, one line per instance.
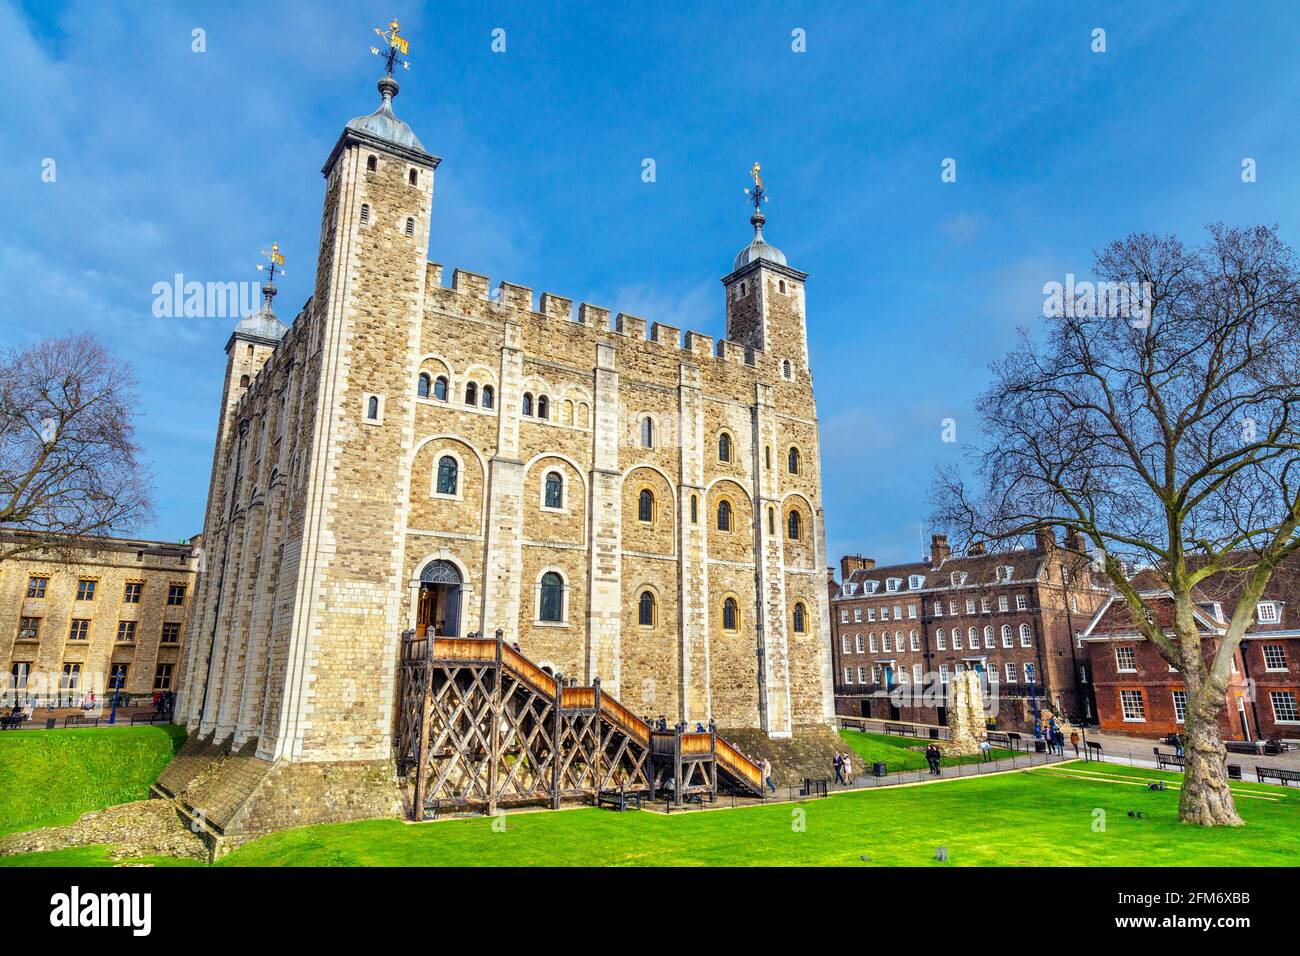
[696, 347]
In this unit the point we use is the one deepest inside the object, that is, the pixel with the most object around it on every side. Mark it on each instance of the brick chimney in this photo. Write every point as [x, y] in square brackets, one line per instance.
[854, 562]
[1075, 541]
[976, 549]
[939, 550]
[1044, 539]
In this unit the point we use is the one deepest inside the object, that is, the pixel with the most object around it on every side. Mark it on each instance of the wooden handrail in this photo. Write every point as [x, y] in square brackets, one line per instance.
[530, 671]
[735, 761]
[633, 724]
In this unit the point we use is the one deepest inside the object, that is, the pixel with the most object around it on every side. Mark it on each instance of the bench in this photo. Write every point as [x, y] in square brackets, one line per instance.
[145, 718]
[1282, 776]
[1008, 739]
[1276, 747]
[619, 799]
[1166, 761]
[80, 720]
[12, 721]
[901, 730]
[1241, 746]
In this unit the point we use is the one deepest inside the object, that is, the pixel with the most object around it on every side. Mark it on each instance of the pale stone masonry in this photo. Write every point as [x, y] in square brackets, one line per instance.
[332, 525]
[71, 615]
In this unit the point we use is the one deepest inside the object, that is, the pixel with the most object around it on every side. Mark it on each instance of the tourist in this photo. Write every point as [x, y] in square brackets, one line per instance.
[767, 774]
[848, 770]
[838, 764]
[985, 748]
[1074, 741]
[1177, 741]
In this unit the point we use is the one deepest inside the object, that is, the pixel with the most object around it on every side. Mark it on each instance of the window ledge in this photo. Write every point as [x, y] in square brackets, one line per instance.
[551, 624]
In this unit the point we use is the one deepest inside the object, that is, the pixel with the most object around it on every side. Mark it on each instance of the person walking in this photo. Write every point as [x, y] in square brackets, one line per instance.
[1177, 741]
[838, 764]
[767, 774]
[848, 770]
[1074, 741]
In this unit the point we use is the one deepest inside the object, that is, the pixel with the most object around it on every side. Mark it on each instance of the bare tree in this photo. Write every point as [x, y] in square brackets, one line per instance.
[1169, 441]
[69, 465]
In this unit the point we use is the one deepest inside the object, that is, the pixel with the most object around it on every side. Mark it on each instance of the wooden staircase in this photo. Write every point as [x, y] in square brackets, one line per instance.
[480, 726]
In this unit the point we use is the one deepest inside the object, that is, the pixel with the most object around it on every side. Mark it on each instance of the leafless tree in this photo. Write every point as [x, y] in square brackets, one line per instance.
[69, 465]
[1169, 441]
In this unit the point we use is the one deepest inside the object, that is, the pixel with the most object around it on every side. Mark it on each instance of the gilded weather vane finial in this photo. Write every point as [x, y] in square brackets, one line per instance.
[398, 47]
[757, 195]
[277, 262]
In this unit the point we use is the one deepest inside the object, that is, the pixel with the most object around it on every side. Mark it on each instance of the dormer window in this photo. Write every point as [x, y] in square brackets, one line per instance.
[1268, 612]
[958, 578]
[914, 582]
[893, 584]
[872, 586]
[850, 588]
[1004, 573]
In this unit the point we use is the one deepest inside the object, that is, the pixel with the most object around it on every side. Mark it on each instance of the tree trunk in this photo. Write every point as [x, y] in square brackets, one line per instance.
[1205, 798]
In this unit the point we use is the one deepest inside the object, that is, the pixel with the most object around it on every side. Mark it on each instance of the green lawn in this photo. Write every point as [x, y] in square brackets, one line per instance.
[1045, 816]
[51, 777]
[1016, 819]
[896, 755]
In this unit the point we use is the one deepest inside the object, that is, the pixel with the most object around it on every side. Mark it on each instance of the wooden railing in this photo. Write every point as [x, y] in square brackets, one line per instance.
[530, 671]
[629, 721]
[738, 764]
[464, 649]
[577, 698]
[697, 743]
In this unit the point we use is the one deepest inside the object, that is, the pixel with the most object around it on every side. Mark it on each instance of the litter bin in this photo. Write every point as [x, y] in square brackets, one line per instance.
[934, 733]
[49, 722]
[1040, 746]
[878, 769]
[1234, 771]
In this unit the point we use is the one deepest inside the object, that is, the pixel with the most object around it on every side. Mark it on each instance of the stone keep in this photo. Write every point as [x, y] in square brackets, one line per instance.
[327, 520]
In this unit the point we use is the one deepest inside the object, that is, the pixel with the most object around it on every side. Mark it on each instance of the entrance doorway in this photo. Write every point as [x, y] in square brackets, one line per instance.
[438, 611]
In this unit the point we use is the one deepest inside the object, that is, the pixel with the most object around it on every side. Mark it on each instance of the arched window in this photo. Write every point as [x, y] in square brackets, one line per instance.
[365, 213]
[730, 613]
[487, 396]
[645, 505]
[1006, 634]
[372, 408]
[799, 623]
[724, 515]
[771, 521]
[440, 388]
[767, 456]
[415, 179]
[527, 408]
[243, 381]
[792, 461]
[724, 447]
[371, 164]
[1026, 638]
[543, 407]
[566, 415]
[448, 475]
[695, 509]
[781, 286]
[785, 368]
[471, 393]
[793, 526]
[554, 490]
[410, 226]
[551, 602]
[647, 432]
[645, 610]
[422, 388]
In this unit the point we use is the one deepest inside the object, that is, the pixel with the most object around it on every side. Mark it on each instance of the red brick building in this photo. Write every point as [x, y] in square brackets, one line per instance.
[1012, 616]
[1137, 692]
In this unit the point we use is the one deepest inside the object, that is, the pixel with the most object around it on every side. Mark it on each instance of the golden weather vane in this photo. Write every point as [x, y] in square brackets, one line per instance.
[277, 262]
[398, 47]
[757, 195]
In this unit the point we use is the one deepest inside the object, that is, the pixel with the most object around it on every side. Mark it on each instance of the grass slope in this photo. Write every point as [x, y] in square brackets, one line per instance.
[1034, 818]
[51, 777]
[895, 753]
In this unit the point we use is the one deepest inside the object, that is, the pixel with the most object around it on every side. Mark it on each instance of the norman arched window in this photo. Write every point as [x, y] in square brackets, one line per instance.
[695, 509]
[410, 226]
[792, 461]
[793, 526]
[543, 407]
[647, 432]
[724, 515]
[771, 521]
[785, 368]
[527, 408]
[448, 475]
[423, 386]
[800, 625]
[645, 505]
[440, 388]
[488, 396]
[365, 213]
[730, 614]
[724, 447]
[554, 490]
[414, 179]
[645, 609]
[372, 408]
[781, 286]
[471, 393]
[550, 603]
[371, 164]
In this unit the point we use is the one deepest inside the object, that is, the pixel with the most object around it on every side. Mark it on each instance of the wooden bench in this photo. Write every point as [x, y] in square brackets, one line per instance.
[1282, 776]
[80, 720]
[901, 730]
[1166, 761]
[1241, 746]
[145, 718]
[619, 799]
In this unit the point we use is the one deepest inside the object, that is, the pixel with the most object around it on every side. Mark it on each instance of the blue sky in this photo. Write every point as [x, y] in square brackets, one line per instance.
[173, 161]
